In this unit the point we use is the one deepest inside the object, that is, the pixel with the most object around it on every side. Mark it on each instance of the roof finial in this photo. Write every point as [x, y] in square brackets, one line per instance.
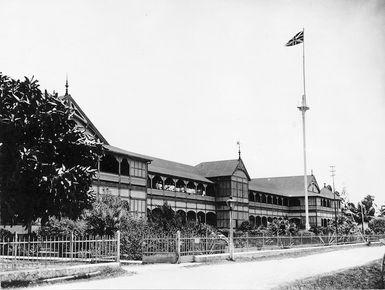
[239, 149]
[312, 172]
[67, 84]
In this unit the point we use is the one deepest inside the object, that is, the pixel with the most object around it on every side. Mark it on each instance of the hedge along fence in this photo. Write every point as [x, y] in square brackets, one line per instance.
[20, 252]
[262, 242]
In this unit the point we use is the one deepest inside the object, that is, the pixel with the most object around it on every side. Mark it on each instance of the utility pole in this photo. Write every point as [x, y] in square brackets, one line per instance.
[333, 173]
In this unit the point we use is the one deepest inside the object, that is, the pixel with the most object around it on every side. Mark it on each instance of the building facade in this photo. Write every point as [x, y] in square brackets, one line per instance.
[199, 193]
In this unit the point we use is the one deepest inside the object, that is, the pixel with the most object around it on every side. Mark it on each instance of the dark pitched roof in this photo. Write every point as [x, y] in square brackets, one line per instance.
[221, 168]
[171, 168]
[287, 186]
[326, 192]
[126, 153]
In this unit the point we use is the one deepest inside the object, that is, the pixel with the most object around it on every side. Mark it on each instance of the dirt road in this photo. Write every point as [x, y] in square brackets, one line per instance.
[232, 275]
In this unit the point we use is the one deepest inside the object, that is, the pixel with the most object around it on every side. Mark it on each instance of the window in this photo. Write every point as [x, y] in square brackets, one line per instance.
[138, 169]
[239, 187]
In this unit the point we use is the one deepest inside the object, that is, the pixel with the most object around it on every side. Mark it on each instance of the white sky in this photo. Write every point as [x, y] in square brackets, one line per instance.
[184, 80]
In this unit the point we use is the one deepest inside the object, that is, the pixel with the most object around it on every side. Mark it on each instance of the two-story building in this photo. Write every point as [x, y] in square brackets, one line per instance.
[199, 193]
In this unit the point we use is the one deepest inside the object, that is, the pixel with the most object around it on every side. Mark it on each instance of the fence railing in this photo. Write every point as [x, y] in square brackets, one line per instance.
[28, 252]
[250, 243]
[183, 245]
[203, 245]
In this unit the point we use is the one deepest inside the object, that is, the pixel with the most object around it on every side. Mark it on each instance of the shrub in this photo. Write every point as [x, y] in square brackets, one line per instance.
[105, 216]
[63, 227]
[133, 229]
[377, 225]
[5, 234]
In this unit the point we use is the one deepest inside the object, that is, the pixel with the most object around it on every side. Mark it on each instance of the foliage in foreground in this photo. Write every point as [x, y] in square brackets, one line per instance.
[377, 225]
[46, 162]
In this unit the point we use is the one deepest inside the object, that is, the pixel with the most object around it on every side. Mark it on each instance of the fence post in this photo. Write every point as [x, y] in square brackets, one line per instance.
[247, 241]
[118, 246]
[263, 240]
[72, 246]
[301, 239]
[178, 245]
[15, 246]
[277, 240]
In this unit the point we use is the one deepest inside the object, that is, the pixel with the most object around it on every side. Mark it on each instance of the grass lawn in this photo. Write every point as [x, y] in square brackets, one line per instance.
[363, 277]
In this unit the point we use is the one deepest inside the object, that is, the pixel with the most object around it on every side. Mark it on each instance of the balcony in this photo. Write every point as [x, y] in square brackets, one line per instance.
[105, 176]
[175, 194]
[108, 177]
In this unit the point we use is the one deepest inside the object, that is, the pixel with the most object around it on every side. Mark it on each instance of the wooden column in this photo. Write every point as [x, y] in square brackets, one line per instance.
[119, 159]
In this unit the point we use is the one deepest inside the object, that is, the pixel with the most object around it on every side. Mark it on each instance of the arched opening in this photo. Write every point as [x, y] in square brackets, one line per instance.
[210, 190]
[190, 188]
[125, 168]
[109, 164]
[269, 199]
[169, 184]
[191, 216]
[252, 221]
[180, 186]
[264, 221]
[211, 219]
[258, 221]
[251, 197]
[296, 221]
[258, 197]
[269, 219]
[200, 189]
[156, 214]
[284, 201]
[201, 217]
[180, 217]
[157, 182]
[263, 198]
[328, 203]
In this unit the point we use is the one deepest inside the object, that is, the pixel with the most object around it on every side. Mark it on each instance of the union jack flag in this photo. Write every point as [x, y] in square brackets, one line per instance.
[297, 39]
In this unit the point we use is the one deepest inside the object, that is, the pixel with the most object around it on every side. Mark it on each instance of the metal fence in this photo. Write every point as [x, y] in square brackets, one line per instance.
[203, 246]
[28, 252]
[189, 246]
[159, 244]
[182, 246]
[251, 243]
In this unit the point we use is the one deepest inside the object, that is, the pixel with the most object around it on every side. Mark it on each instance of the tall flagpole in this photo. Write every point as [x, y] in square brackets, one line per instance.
[303, 108]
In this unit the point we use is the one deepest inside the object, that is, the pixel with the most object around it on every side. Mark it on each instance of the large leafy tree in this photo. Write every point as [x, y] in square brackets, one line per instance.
[46, 162]
[365, 209]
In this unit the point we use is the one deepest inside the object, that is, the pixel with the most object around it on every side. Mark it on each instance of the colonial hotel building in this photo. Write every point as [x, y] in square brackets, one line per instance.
[199, 192]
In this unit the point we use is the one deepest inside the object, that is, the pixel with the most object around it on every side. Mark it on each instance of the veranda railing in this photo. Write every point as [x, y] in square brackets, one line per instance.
[28, 251]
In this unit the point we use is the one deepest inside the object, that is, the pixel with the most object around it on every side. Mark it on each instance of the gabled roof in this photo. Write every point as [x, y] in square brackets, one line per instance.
[287, 186]
[82, 117]
[126, 153]
[171, 168]
[326, 192]
[221, 168]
